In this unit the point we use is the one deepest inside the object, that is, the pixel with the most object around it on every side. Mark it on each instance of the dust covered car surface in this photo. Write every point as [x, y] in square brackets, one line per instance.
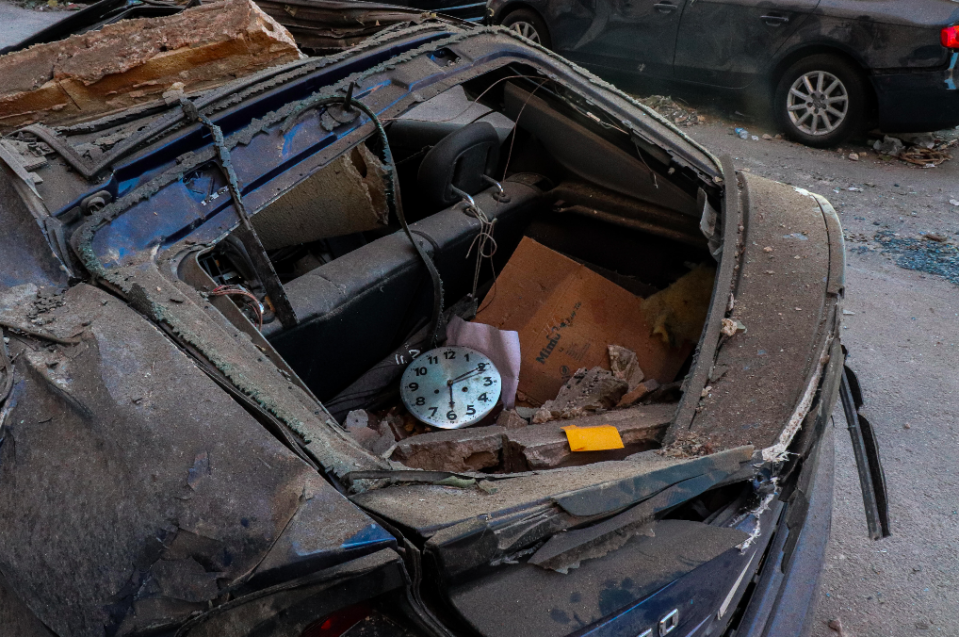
[208, 303]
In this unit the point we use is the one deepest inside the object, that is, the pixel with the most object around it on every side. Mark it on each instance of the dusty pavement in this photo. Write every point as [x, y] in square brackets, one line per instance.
[18, 23]
[903, 337]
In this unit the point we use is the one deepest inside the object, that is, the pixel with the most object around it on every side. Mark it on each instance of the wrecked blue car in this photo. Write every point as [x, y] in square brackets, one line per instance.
[196, 296]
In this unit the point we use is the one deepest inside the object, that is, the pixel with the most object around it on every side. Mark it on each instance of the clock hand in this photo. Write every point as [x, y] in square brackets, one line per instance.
[464, 375]
[449, 384]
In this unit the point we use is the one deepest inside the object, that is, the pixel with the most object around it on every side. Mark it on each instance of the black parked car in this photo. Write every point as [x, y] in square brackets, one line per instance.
[192, 294]
[828, 68]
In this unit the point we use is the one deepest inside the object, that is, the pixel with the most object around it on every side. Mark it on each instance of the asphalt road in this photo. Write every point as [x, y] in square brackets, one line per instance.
[904, 343]
[18, 23]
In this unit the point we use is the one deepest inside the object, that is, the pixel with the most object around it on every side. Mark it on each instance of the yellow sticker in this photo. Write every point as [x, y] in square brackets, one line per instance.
[593, 438]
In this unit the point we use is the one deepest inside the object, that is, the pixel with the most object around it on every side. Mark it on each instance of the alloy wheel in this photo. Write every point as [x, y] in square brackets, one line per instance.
[526, 30]
[818, 103]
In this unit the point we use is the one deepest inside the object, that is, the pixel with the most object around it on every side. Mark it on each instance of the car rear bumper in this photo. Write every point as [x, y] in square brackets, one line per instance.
[783, 602]
[923, 101]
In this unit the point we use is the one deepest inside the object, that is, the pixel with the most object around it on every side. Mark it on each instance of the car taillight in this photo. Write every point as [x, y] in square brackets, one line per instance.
[338, 623]
[950, 37]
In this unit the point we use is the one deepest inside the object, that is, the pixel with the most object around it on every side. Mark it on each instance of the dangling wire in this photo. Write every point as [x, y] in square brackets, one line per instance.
[485, 245]
[393, 194]
[236, 290]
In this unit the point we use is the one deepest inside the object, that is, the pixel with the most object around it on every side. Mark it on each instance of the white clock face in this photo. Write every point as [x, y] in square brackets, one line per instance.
[450, 387]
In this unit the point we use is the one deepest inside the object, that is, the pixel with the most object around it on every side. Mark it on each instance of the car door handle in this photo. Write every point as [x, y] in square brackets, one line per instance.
[665, 7]
[775, 20]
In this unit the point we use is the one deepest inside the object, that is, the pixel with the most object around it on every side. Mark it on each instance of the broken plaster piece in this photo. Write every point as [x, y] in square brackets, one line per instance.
[625, 366]
[588, 391]
[732, 326]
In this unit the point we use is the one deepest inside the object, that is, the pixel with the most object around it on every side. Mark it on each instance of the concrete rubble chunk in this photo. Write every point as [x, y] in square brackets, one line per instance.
[456, 450]
[509, 419]
[586, 392]
[545, 446]
[368, 430]
[625, 366]
[138, 61]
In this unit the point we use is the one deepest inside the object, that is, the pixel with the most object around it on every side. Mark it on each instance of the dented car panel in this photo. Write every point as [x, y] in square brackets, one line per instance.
[747, 45]
[206, 489]
[175, 501]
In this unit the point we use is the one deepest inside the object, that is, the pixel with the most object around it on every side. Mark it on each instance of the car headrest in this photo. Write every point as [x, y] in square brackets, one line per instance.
[460, 159]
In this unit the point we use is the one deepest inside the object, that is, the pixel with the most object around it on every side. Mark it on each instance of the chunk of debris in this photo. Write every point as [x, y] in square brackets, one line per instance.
[566, 316]
[836, 626]
[687, 446]
[925, 157]
[889, 146]
[133, 62]
[638, 393]
[732, 326]
[594, 390]
[676, 113]
[509, 419]
[368, 430]
[547, 446]
[625, 366]
[455, 450]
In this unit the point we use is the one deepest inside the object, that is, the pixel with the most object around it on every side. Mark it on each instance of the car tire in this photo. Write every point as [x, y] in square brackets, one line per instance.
[529, 25]
[820, 101]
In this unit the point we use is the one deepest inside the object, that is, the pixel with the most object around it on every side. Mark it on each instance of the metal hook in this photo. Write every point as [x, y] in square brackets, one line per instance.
[493, 182]
[465, 197]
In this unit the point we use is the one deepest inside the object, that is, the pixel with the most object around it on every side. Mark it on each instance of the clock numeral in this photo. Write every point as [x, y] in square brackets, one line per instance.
[449, 355]
[420, 401]
[487, 381]
[481, 367]
[433, 411]
[420, 371]
[433, 359]
[467, 357]
[483, 397]
[470, 411]
[413, 386]
[451, 414]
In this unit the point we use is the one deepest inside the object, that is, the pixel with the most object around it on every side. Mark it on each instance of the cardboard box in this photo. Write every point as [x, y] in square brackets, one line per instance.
[566, 316]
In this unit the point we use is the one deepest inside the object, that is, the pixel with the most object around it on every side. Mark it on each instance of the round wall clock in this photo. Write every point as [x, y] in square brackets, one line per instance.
[450, 387]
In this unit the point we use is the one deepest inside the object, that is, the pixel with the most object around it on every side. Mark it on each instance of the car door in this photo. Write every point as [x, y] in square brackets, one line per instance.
[729, 43]
[469, 10]
[637, 36]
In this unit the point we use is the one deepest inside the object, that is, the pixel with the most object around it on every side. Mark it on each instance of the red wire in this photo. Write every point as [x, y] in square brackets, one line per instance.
[230, 290]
